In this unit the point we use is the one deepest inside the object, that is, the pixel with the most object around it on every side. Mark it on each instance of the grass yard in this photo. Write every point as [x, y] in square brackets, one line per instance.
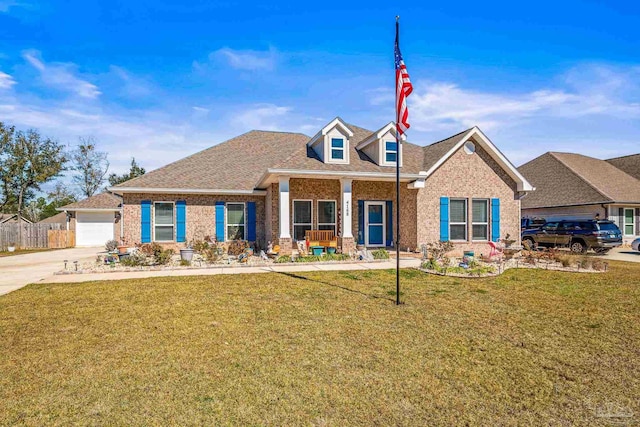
[325, 348]
[22, 252]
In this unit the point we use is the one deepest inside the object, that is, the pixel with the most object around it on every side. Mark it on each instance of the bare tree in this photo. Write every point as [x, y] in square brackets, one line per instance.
[91, 166]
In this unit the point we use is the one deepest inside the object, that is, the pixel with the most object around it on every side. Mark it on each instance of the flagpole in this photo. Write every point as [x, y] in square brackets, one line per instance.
[398, 153]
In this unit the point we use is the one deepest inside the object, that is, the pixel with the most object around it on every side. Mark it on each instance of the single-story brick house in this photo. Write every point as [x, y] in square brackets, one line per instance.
[273, 186]
[95, 219]
[573, 186]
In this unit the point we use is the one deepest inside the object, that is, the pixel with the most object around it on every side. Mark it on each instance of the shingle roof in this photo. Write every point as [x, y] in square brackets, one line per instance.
[629, 164]
[239, 163]
[59, 218]
[565, 179]
[99, 201]
[236, 164]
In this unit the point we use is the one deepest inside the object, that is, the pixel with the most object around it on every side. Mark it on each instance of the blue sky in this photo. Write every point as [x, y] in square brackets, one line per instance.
[159, 80]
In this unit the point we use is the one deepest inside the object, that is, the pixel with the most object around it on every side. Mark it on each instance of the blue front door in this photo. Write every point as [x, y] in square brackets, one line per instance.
[374, 223]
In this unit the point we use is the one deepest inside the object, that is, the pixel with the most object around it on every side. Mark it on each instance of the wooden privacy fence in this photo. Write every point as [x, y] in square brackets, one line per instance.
[60, 239]
[34, 236]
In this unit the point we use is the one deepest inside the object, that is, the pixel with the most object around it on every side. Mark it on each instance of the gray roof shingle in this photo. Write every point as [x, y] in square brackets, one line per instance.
[566, 179]
[629, 164]
[104, 200]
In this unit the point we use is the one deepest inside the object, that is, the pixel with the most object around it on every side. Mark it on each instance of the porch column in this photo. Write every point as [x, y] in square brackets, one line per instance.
[346, 241]
[347, 208]
[285, 220]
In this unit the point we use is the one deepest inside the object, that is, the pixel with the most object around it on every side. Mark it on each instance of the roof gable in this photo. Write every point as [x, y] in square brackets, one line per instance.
[102, 201]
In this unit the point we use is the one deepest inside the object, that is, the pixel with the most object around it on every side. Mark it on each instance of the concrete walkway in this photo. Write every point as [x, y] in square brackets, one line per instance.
[20, 270]
[74, 278]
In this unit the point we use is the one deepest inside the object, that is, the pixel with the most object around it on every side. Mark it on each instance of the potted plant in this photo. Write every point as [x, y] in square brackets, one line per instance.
[11, 247]
[122, 247]
[186, 254]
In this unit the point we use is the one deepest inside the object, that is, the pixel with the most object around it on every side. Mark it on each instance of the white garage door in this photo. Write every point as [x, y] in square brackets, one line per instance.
[94, 228]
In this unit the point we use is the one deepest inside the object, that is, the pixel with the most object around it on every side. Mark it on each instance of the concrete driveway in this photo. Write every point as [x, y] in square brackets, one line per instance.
[623, 254]
[20, 270]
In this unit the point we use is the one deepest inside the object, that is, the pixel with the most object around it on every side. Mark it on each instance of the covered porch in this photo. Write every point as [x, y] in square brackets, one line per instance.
[356, 212]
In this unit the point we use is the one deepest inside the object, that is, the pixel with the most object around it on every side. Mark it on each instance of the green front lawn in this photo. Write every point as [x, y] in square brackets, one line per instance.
[324, 348]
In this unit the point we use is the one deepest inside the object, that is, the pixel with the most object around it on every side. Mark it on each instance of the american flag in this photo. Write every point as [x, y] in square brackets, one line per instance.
[403, 89]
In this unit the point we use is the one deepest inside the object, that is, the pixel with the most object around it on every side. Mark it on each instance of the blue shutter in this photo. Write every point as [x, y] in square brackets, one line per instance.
[444, 219]
[145, 225]
[361, 222]
[220, 221]
[251, 221]
[495, 220]
[181, 221]
[389, 204]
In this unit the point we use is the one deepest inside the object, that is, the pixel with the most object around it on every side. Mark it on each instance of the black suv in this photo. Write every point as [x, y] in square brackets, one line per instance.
[528, 223]
[579, 236]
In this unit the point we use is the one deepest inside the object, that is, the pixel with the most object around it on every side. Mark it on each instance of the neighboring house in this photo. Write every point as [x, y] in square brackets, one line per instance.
[573, 186]
[273, 186]
[59, 218]
[95, 219]
[629, 164]
[13, 219]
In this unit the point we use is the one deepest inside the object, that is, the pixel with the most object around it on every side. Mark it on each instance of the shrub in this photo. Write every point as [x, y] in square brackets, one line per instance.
[185, 263]
[236, 247]
[321, 258]
[381, 253]
[135, 259]
[160, 255]
[565, 260]
[200, 246]
[213, 252]
[598, 264]
[585, 262]
[111, 245]
[283, 259]
[438, 250]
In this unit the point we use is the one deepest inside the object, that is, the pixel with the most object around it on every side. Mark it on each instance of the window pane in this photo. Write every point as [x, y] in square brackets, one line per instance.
[164, 213]
[458, 232]
[628, 215]
[327, 227]
[337, 143]
[235, 214]
[235, 232]
[628, 229]
[326, 212]
[164, 233]
[337, 154]
[299, 230]
[391, 146]
[458, 210]
[480, 232]
[390, 157]
[479, 208]
[302, 212]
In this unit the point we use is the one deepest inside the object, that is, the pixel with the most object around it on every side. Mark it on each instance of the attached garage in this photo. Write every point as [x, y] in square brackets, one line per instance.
[94, 228]
[95, 220]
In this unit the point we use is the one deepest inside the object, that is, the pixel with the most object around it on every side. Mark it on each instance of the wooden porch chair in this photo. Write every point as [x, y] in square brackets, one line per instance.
[324, 238]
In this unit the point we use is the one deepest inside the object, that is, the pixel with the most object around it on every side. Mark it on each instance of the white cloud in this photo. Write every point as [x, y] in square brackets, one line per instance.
[592, 109]
[61, 76]
[5, 5]
[251, 60]
[6, 81]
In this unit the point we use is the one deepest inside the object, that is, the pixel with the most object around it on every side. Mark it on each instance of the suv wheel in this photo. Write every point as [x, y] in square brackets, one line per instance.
[578, 247]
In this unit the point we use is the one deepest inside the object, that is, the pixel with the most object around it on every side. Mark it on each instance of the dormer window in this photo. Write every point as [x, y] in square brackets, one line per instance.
[337, 149]
[331, 144]
[390, 151]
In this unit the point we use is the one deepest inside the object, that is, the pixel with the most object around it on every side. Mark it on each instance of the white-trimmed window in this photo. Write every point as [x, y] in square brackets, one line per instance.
[390, 152]
[458, 219]
[302, 218]
[236, 221]
[336, 150]
[480, 219]
[629, 222]
[327, 215]
[163, 221]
